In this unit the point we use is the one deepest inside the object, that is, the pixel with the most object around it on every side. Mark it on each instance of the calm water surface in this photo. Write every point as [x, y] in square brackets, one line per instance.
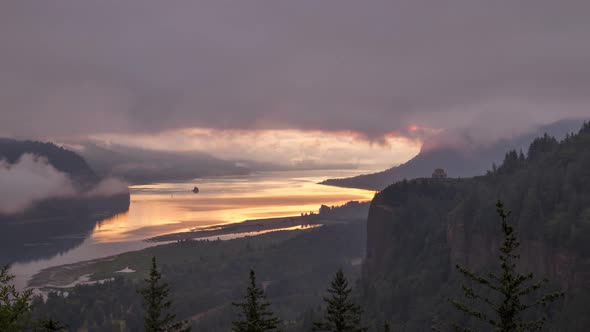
[171, 207]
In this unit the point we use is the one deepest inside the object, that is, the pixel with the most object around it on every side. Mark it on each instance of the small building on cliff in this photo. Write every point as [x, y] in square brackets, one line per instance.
[439, 173]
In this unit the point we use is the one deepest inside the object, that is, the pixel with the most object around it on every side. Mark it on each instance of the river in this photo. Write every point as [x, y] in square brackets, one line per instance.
[162, 208]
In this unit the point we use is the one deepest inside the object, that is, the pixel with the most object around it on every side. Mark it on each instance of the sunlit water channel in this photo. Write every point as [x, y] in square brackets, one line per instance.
[162, 208]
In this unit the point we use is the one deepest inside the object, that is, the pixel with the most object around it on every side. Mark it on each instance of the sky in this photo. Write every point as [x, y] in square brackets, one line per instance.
[238, 78]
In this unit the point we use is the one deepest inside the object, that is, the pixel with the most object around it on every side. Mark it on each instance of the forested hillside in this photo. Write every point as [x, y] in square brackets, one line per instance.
[63, 160]
[207, 276]
[466, 159]
[419, 230]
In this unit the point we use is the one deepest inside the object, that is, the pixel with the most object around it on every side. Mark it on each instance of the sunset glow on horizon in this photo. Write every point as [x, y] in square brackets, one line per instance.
[287, 147]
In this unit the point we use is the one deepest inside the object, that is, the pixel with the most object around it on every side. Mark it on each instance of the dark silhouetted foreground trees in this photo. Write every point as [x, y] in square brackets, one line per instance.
[386, 327]
[158, 317]
[342, 314]
[51, 325]
[15, 306]
[256, 316]
[505, 293]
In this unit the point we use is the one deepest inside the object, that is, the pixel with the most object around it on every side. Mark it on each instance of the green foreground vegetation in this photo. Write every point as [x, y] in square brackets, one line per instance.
[206, 277]
[341, 313]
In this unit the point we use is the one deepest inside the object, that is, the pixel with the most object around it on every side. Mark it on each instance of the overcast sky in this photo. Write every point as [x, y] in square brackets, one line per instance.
[78, 68]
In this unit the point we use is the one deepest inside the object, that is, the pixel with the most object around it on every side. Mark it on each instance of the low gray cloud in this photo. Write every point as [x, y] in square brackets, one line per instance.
[87, 67]
[108, 187]
[32, 179]
[29, 180]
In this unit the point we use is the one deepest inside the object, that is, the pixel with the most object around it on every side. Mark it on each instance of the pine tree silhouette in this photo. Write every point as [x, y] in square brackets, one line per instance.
[342, 314]
[15, 306]
[256, 316]
[51, 325]
[508, 290]
[158, 317]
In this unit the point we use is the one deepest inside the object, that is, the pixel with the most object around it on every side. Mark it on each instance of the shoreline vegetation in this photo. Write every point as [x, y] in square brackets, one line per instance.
[57, 278]
[206, 277]
[254, 226]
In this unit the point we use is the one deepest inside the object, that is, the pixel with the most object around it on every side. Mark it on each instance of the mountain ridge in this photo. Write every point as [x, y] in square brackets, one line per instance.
[456, 161]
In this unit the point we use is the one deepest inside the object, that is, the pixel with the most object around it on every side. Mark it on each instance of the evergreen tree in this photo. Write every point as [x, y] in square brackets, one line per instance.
[342, 314]
[509, 290]
[158, 317]
[15, 306]
[51, 325]
[256, 317]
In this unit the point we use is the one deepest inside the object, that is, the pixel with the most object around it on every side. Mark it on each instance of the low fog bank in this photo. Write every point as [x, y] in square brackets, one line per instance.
[28, 180]
[108, 187]
[32, 179]
[461, 153]
[471, 139]
[140, 166]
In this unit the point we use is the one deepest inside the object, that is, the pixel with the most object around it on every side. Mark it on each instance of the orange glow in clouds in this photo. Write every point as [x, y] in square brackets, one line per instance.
[289, 147]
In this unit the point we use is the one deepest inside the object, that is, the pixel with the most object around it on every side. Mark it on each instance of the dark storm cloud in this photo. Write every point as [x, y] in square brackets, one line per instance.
[81, 67]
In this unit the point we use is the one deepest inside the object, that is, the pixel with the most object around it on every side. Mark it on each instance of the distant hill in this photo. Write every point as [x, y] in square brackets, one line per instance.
[139, 166]
[456, 162]
[61, 159]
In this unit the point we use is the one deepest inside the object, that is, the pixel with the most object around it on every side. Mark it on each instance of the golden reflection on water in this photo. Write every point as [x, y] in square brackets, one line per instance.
[171, 207]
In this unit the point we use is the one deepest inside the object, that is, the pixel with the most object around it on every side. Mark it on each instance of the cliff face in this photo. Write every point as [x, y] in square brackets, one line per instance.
[418, 230]
[388, 238]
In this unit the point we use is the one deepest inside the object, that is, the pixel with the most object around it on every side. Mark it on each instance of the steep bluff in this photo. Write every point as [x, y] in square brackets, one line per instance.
[454, 242]
[419, 230]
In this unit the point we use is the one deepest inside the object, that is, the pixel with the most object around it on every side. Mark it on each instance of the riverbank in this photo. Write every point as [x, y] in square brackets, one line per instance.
[248, 226]
[55, 278]
[205, 277]
[63, 277]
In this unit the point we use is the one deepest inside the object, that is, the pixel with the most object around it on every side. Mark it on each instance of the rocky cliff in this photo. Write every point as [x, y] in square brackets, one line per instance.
[419, 230]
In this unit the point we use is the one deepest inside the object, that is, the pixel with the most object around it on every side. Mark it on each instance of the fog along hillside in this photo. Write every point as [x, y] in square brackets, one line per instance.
[141, 166]
[61, 159]
[417, 231]
[55, 192]
[459, 161]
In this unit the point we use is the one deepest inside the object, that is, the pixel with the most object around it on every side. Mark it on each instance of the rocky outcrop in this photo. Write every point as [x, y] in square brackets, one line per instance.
[419, 230]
